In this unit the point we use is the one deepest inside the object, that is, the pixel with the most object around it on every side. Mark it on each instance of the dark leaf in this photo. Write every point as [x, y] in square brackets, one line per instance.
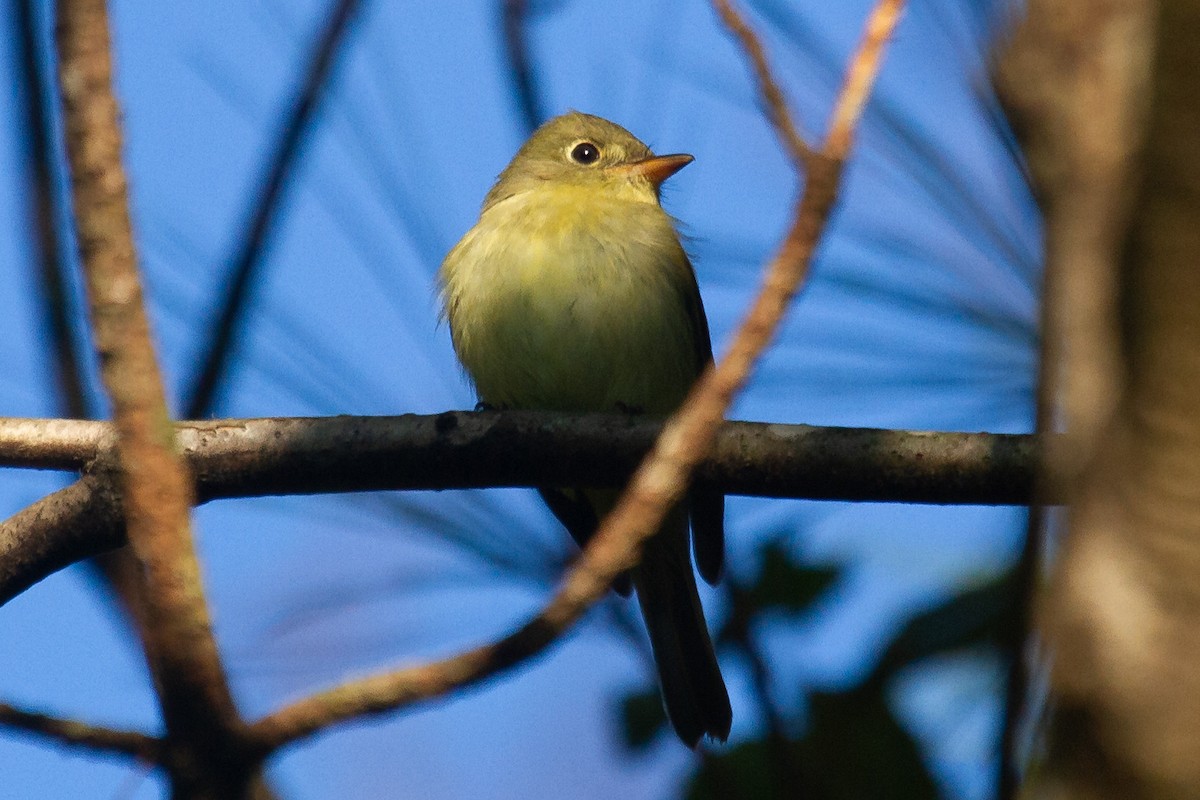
[783, 584]
[968, 619]
[856, 749]
[744, 771]
[643, 717]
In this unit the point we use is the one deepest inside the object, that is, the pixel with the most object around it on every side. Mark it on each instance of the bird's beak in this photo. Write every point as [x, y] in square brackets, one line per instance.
[657, 169]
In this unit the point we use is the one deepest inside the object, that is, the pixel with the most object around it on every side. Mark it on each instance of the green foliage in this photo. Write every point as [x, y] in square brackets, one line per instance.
[781, 585]
[969, 619]
[643, 717]
[853, 746]
[742, 771]
[854, 749]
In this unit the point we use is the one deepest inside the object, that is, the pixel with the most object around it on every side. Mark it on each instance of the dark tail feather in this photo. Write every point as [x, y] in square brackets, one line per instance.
[708, 531]
[576, 510]
[693, 689]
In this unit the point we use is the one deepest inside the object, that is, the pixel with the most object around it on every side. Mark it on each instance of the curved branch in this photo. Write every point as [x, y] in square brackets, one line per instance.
[391, 691]
[81, 734]
[776, 104]
[72, 524]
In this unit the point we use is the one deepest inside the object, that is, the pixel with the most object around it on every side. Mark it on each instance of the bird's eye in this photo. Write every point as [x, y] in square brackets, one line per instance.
[585, 153]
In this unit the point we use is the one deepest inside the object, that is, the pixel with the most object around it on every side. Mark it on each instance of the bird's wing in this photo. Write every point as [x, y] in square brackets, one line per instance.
[707, 505]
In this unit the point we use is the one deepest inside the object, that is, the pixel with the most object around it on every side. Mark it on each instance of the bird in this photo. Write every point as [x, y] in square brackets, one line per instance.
[573, 293]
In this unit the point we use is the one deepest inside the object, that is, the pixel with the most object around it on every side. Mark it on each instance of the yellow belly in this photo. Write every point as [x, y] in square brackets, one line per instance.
[573, 304]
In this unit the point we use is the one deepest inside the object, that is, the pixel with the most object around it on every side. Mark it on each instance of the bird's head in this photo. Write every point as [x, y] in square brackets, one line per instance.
[586, 151]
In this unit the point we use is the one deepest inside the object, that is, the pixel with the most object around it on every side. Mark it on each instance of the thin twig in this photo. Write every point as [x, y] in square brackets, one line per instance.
[790, 774]
[516, 40]
[788, 770]
[1015, 642]
[1020, 631]
[81, 734]
[155, 489]
[246, 264]
[656, 486]
[856, 89]
[776, 104]
[56, 299]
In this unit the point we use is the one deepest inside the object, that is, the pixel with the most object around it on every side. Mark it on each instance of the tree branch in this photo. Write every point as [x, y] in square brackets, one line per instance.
[473, 450]
[66, 444]
[81, 734]
[489, 449]
[72, 524]
[468, 450]
[1110, 102]
[156, 492]
[1074, 79]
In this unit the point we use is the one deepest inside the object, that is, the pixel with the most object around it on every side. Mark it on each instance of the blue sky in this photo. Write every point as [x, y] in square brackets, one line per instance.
[921, 313]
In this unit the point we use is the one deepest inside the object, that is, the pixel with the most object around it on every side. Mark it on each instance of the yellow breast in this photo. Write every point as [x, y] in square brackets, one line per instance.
[562, 299]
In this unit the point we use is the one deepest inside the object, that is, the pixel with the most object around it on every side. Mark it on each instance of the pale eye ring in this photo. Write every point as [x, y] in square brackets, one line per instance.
[585, 153]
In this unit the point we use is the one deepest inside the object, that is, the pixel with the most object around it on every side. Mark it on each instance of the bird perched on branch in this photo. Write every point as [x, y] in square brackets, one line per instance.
[573, 293]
